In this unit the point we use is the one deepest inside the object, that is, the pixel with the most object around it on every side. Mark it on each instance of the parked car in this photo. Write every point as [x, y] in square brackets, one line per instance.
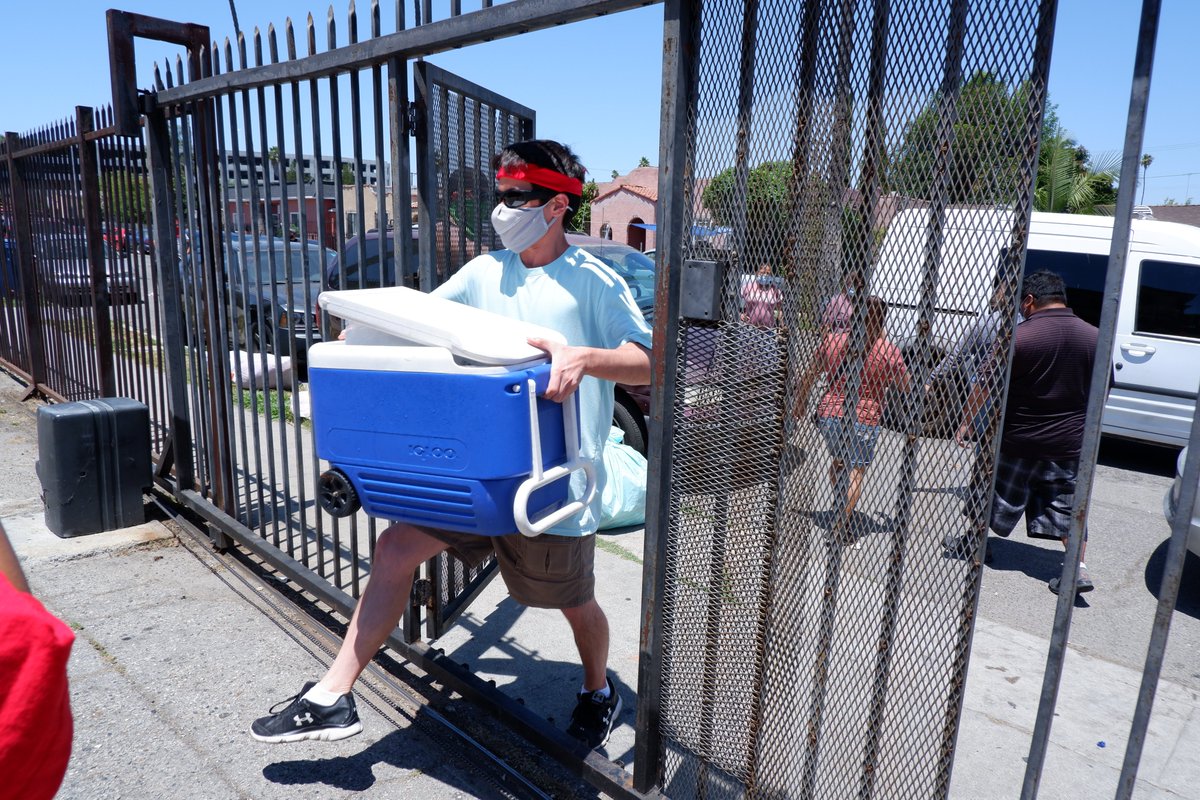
[1156, 360]
[631, 403]
[1171, 506]
[358, 265]
[61, 263]
[269, 280]
[10, 280]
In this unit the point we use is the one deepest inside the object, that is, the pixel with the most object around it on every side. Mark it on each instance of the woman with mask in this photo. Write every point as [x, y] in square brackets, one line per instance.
[762, 299]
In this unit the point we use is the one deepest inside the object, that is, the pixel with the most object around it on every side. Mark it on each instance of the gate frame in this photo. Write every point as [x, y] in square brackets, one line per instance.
[201, 92]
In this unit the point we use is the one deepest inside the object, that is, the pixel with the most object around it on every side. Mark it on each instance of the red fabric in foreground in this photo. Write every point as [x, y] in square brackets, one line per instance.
[35, 707]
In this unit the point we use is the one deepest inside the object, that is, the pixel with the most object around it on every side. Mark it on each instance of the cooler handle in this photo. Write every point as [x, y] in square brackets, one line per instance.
[539, 477]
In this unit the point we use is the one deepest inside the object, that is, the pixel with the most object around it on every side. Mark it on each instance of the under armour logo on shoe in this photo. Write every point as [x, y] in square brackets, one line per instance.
[303, 720]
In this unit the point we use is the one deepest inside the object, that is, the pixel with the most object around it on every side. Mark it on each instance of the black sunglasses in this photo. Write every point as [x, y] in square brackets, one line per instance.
[517, 198]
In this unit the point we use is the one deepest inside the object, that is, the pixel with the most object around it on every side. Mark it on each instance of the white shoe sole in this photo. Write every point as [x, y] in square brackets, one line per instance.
[320, 735]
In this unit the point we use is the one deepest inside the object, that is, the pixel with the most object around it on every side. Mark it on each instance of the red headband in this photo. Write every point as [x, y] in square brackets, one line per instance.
[541, 176]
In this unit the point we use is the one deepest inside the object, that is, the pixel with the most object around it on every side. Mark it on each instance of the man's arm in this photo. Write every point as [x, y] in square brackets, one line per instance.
[629, 363]
[805, 387]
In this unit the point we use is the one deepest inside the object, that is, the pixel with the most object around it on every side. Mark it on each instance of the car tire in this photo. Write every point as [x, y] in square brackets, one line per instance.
[628, 417]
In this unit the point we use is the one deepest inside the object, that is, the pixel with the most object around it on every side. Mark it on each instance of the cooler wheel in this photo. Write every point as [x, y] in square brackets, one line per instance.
[337, 494]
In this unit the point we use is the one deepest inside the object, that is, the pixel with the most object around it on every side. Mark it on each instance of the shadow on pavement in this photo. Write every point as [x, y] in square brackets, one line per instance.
[1188, 601]
[546, 686]
[1138, 456]
[1040, 563]
[356, 773]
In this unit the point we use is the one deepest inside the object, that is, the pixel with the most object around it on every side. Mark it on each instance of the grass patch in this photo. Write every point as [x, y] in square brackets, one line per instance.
[616, 550]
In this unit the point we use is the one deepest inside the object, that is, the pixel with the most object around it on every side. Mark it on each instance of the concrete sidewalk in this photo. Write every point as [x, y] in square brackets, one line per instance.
[171, 664]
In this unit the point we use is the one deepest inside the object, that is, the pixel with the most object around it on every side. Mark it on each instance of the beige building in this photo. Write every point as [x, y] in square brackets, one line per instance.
[367, 218]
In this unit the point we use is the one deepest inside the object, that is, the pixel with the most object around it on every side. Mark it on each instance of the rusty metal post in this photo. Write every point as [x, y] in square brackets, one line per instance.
[158, 145]
[89, 172]
[29, 295]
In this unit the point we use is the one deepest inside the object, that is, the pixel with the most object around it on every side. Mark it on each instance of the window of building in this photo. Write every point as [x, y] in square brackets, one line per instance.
[351, 223]
[606, 231]
[1168, 302]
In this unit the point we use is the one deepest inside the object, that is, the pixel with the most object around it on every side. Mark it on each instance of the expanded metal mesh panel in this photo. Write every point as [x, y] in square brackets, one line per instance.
[463, 127]
[863, 171]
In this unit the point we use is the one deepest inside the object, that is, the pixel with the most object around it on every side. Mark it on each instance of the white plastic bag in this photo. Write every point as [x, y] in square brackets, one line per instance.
[243, 366]
[623, 499]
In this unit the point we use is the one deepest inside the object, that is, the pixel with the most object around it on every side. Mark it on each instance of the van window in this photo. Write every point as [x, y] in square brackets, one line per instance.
[1082, 272]
[1168, 302]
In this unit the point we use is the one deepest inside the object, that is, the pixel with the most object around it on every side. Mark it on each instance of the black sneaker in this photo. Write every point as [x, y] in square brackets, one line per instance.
[594, 716]
[300, 720]
[962, 547]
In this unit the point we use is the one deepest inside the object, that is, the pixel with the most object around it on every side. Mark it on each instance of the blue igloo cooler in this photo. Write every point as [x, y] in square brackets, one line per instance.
[429, 413]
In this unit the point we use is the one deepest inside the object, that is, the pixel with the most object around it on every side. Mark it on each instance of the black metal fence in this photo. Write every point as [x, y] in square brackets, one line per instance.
[78, 282]
[805, 637]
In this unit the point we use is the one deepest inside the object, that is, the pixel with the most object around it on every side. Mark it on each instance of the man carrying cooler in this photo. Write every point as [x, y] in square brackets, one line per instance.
[539, 279]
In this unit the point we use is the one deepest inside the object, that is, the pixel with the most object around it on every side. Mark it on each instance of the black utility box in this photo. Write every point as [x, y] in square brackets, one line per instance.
[94, 464]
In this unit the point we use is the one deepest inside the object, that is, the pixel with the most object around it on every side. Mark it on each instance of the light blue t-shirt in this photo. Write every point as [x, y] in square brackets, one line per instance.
[582, 298]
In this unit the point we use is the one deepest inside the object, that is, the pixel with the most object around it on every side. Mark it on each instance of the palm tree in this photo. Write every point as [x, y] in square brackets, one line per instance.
[1068, 181]
[1147, 160]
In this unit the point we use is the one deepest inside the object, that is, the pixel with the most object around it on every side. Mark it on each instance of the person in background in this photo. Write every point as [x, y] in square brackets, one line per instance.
[973, 349]
[761, 299]
[838, 313]
[542, 279]
[851, 440]
[1052, 362]
[36, 726]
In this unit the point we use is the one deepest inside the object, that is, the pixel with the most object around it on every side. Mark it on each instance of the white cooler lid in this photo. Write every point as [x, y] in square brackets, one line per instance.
[468, 332]
[399, 358]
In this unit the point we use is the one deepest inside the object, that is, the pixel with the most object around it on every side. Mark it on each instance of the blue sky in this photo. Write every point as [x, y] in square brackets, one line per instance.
[596, 84]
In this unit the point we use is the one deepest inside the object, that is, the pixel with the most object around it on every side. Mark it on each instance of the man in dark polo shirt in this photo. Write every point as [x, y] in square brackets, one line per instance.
[1053, 358]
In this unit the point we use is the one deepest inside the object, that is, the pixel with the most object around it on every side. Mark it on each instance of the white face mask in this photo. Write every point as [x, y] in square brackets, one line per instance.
[519, 228]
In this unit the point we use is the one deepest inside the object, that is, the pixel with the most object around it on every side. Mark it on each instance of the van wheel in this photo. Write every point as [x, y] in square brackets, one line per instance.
[628, 417]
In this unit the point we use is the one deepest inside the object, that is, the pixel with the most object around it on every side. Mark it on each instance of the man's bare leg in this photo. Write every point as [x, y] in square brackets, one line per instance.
[398, 552]
[590, 626]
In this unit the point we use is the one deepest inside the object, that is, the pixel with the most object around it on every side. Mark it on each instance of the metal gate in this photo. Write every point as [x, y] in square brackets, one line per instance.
[794, 646]
[458, 127]
[810, 635]
[276, 173]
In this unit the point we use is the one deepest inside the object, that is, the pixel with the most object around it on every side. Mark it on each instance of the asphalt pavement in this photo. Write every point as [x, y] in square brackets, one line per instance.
[177, 651]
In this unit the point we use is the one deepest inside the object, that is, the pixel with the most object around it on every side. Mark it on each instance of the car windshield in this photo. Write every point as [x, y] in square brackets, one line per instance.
[633, 266]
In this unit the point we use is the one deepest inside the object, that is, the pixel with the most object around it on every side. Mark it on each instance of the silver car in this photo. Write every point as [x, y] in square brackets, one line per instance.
[1171, 504]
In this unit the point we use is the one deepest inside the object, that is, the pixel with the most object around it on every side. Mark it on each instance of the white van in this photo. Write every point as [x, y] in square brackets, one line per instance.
[1156, 357]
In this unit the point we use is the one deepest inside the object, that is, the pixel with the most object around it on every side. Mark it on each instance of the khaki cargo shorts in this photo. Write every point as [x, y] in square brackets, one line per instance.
[541, 571]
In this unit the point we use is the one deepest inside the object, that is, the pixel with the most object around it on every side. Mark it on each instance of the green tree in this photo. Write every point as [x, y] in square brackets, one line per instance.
[583, 217]
[125, 196]
[766, 205]
[615, 174]
[1069, 180]
[347, 175]
[643, 162]
[985, 158]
